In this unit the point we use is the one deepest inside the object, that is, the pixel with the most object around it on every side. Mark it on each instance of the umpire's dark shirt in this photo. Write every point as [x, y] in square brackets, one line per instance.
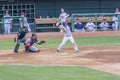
[21, 34]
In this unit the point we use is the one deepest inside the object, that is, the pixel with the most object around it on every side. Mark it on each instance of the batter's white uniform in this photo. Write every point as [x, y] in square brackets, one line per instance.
[104, 25]
[68, 36]
[7, 24]
[25, 24]
[115, 23]
[90, 26]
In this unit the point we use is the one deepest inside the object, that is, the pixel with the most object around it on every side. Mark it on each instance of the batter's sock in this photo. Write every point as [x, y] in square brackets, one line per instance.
[58, 50]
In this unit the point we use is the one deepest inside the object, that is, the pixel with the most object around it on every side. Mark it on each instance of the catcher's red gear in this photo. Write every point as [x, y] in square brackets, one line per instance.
[27, 44]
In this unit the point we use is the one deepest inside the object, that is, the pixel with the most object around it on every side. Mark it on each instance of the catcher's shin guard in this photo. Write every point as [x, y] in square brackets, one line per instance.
[26, 48]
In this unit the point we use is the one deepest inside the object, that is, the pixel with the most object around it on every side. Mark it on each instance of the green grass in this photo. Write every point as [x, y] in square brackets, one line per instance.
[14, 72]
[81, 41]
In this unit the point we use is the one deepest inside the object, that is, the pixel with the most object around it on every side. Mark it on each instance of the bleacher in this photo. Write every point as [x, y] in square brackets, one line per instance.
[82, 19]
[47, 24]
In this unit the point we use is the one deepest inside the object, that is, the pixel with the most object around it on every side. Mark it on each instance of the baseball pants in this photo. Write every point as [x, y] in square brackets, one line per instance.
[115, 26]
[7, 28]
[33, 49]
[65, 39]
[18, 44]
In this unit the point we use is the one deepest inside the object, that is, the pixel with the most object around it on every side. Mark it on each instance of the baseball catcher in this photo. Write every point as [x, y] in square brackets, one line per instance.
[30, 41]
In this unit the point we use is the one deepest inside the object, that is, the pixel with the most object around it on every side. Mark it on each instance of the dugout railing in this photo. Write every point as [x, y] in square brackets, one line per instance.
[47, 24]
[13, 18]
[96, 18]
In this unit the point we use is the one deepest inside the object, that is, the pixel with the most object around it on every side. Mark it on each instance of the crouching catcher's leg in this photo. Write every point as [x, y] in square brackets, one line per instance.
[33, 49]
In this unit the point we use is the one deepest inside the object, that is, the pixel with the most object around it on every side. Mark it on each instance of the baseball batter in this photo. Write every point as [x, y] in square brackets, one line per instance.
[29, 43]
[25, 22]
[7, 24]
[67, 36]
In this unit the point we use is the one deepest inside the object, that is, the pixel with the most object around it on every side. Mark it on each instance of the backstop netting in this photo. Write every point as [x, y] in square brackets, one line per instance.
[17, 23]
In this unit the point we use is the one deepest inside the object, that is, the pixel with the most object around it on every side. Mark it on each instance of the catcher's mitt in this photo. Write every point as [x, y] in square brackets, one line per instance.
[42, 42]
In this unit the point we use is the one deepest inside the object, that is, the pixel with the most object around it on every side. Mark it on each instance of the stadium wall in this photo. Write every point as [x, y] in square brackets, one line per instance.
[51, 8]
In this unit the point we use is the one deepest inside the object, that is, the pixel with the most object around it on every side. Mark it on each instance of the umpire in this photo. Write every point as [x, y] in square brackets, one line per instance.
[20, 39]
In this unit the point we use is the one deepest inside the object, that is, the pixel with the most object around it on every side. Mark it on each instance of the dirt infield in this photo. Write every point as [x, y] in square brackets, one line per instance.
[58, 34]
[104, 58]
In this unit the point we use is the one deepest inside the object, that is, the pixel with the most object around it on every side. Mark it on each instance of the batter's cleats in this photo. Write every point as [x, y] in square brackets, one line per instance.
[76, 51]
[58, 50]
